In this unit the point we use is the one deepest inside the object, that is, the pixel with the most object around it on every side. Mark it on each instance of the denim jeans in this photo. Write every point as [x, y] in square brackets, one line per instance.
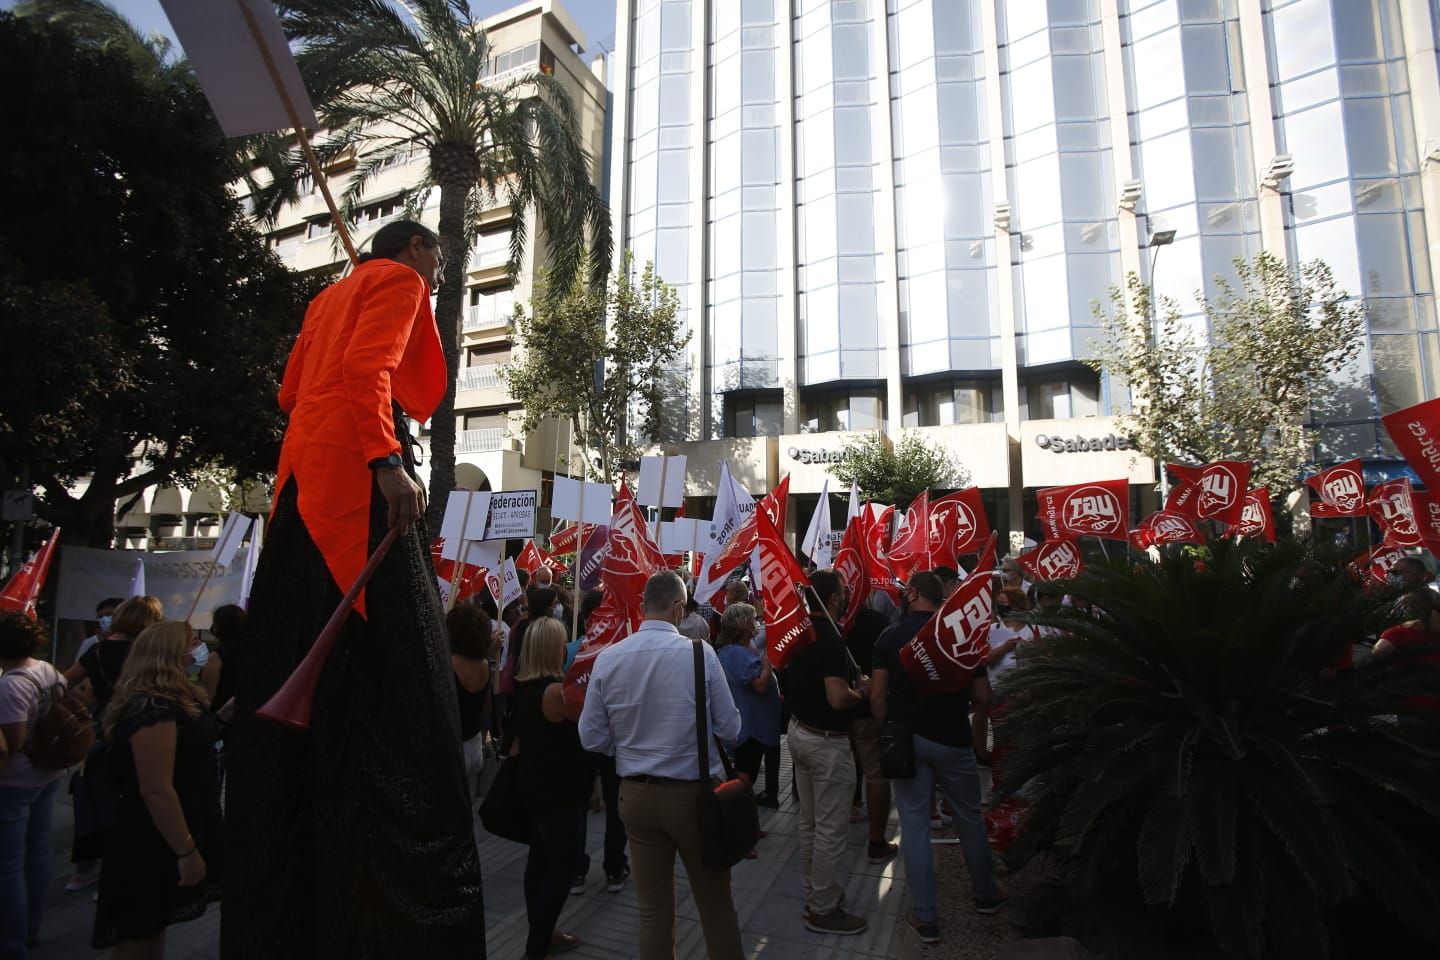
[953, 768]
[554, 841]
[26, 817]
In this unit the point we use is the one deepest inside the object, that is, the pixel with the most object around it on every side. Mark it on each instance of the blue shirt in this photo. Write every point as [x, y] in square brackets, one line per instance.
[640, 705]
[759, 712]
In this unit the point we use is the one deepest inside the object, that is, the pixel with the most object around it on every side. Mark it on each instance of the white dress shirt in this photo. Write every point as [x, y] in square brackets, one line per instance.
[640, 705]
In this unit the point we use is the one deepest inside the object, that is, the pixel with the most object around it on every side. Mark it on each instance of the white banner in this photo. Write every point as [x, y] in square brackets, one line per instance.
[88, 576]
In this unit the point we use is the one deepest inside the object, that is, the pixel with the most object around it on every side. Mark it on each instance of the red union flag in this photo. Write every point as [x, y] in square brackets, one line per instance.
[954, 643]
[958, 526]
[1374, 567]
[22, 593]
[1427, 519]
[1341, 490]
[1256, 520]
[788, 627]
[607, 624]
[911, 550]
[1215, 491]
[632, 556]
[1100, 509]
[875, 551]
[742, 544]
[1416, 432]
[1392, 505]
[1052, 560]
[849, 563]
[1162, 527]
[567, 540]
[530, 559]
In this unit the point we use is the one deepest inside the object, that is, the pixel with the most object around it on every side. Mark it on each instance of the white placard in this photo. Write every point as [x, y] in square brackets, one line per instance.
[512, 515]
[686, 533]
[461, 512]
[231, 68]
[504, 584]
[651, 470]
[565, 501]
[87, 574]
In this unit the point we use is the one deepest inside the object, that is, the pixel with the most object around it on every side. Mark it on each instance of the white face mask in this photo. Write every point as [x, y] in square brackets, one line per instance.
[558, 612]
[105, 623]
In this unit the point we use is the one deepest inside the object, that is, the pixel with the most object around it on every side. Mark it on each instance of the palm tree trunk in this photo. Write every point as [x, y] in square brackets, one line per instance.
[449, 305]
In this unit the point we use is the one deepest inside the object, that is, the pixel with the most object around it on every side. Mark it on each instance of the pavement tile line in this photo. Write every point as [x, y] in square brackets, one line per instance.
[766, 891]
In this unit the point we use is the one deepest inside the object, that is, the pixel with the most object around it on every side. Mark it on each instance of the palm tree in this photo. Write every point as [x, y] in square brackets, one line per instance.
[391, 77]
[99, 24]
[1190, 754]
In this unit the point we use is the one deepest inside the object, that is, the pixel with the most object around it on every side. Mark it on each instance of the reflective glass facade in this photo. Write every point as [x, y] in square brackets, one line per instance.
[902, 211]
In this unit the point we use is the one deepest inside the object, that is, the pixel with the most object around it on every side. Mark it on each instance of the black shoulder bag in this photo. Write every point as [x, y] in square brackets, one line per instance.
[729, 819]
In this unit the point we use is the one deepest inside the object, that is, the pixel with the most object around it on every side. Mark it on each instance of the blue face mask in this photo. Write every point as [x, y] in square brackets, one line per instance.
[105, 622]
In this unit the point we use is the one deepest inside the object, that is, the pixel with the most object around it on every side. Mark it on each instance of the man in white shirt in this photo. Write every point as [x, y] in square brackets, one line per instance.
[640, 706]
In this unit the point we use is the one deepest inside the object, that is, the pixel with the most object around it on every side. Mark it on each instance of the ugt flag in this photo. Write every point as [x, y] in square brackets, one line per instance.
[954, 643]
[22, 593]
[1416, 432]
[1341, 490]
[1099, 509]
[1215, 491]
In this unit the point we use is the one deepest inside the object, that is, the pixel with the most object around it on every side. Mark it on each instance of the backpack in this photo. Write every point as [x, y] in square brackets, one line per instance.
[61, 736]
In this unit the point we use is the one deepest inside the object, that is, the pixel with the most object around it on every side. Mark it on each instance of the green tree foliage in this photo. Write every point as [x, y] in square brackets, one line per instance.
[630, 326]
[897, 473]
[1192, 756]
[146, 324]
[1279, 341]
[390, 77]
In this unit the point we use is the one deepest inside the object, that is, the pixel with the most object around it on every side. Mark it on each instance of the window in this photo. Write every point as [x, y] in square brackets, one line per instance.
[1060, 398]
[953, 401]
[754, 415]
[828, 410]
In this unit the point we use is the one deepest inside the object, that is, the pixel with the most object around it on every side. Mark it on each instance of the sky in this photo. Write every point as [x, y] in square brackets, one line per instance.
[595, 17]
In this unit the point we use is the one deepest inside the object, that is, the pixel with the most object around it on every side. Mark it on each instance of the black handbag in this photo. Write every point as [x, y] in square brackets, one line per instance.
[729, 819]
[503, 812]
[897, 751]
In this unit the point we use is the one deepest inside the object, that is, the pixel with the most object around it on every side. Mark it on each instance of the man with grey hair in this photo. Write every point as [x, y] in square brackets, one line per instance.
[640, 706]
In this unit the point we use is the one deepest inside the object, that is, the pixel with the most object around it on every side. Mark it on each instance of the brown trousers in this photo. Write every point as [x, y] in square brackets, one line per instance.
[660, 821]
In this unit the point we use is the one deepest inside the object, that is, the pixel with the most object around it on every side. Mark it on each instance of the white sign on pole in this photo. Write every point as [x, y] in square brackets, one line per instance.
[232, 532]
[504, 584]
[686, 533]
[231, 68]
[461, 511]
[512, 515]
[566, 501]
[658, 470]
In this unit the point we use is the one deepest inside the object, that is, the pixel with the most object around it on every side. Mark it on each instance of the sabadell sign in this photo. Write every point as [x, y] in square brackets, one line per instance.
[1058, 444]
[806, 455]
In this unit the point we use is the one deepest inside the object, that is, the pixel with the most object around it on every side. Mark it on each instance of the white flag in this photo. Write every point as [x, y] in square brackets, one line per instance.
[816, 544]
[733, 504]
[234, 530]
[854, 502]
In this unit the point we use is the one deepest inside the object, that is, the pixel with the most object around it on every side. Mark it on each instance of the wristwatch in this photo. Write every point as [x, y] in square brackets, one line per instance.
[392, 462]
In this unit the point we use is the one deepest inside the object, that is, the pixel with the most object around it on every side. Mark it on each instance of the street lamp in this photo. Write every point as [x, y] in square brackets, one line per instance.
[1158, 239]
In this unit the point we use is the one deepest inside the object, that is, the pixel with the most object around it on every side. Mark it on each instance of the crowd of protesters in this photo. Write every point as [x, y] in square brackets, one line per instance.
[147, 800]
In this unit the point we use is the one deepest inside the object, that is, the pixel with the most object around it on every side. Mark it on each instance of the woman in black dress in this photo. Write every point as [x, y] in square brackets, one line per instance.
[162, 856]
[555, 778]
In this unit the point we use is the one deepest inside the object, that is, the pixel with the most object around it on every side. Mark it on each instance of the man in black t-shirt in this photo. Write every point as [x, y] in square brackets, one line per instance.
[940, 725]
[818, 688]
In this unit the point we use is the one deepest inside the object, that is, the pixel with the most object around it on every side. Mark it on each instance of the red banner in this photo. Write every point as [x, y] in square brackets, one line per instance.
[1427, 519]
[742, 545]
[955, 642]
[1374, 567]
[1162, 527]
[607, 624]
[1256, 520]
[788, 627]
[631, 558]
[1341, 490]
[1100, 509]
[911, 549]
[531, 558]
[1416, 432]
[22, 592]
[875, 551]
[958, 526]
[1215, 491]
[568, 539]
[1052, 560]
[849, 563]
[1392, 505]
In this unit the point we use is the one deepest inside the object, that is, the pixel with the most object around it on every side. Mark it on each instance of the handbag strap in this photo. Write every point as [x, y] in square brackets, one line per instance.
[700, 724]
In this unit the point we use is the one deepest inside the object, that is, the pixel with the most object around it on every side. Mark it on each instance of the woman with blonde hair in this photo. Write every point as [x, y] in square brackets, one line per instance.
[162, 856]
[555, 778]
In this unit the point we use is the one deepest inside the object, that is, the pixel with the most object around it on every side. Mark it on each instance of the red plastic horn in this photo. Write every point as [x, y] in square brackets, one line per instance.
[293, 702]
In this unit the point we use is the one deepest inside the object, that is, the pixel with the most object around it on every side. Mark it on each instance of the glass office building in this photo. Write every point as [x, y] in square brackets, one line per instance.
[896, 214]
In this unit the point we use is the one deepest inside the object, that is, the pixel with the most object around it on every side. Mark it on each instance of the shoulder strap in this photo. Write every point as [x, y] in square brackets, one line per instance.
[701, 729]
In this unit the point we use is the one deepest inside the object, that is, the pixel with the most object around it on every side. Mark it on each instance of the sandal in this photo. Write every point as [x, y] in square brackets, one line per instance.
[563, 942]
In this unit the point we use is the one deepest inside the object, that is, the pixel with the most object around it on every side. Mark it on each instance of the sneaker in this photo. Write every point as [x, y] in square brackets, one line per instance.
[767, 801]
[837, 921]
[991, 905]
[577, 885]
[81, 879]
[882, 851]
[615, 882]
[927, 932]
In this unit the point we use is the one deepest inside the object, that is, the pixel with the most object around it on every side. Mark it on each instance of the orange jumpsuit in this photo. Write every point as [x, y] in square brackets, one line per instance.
[367, 339]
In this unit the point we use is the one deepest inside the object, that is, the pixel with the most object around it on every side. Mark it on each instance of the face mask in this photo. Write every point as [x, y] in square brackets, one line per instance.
[105, 622]
[1002, 611]
[558, 612]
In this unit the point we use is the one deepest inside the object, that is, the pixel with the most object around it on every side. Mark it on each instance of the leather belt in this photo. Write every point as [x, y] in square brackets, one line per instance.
[818, 732]
[646, 778]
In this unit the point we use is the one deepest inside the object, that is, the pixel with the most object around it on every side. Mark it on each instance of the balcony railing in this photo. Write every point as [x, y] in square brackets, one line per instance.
[483, 440]
[486, 377]
[485, 316]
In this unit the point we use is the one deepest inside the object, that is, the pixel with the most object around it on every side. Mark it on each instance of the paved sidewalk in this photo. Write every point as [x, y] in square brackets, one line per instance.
[767, 896]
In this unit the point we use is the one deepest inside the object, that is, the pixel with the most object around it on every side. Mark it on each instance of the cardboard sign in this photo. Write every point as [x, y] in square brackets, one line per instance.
[566, 499]
[651, 471]
[511, 515]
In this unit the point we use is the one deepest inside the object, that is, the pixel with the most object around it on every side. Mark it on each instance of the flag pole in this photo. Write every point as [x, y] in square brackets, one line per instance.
[579, 562]
[305, 147]
[459, 569]
[836, 627]
[660, 507]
